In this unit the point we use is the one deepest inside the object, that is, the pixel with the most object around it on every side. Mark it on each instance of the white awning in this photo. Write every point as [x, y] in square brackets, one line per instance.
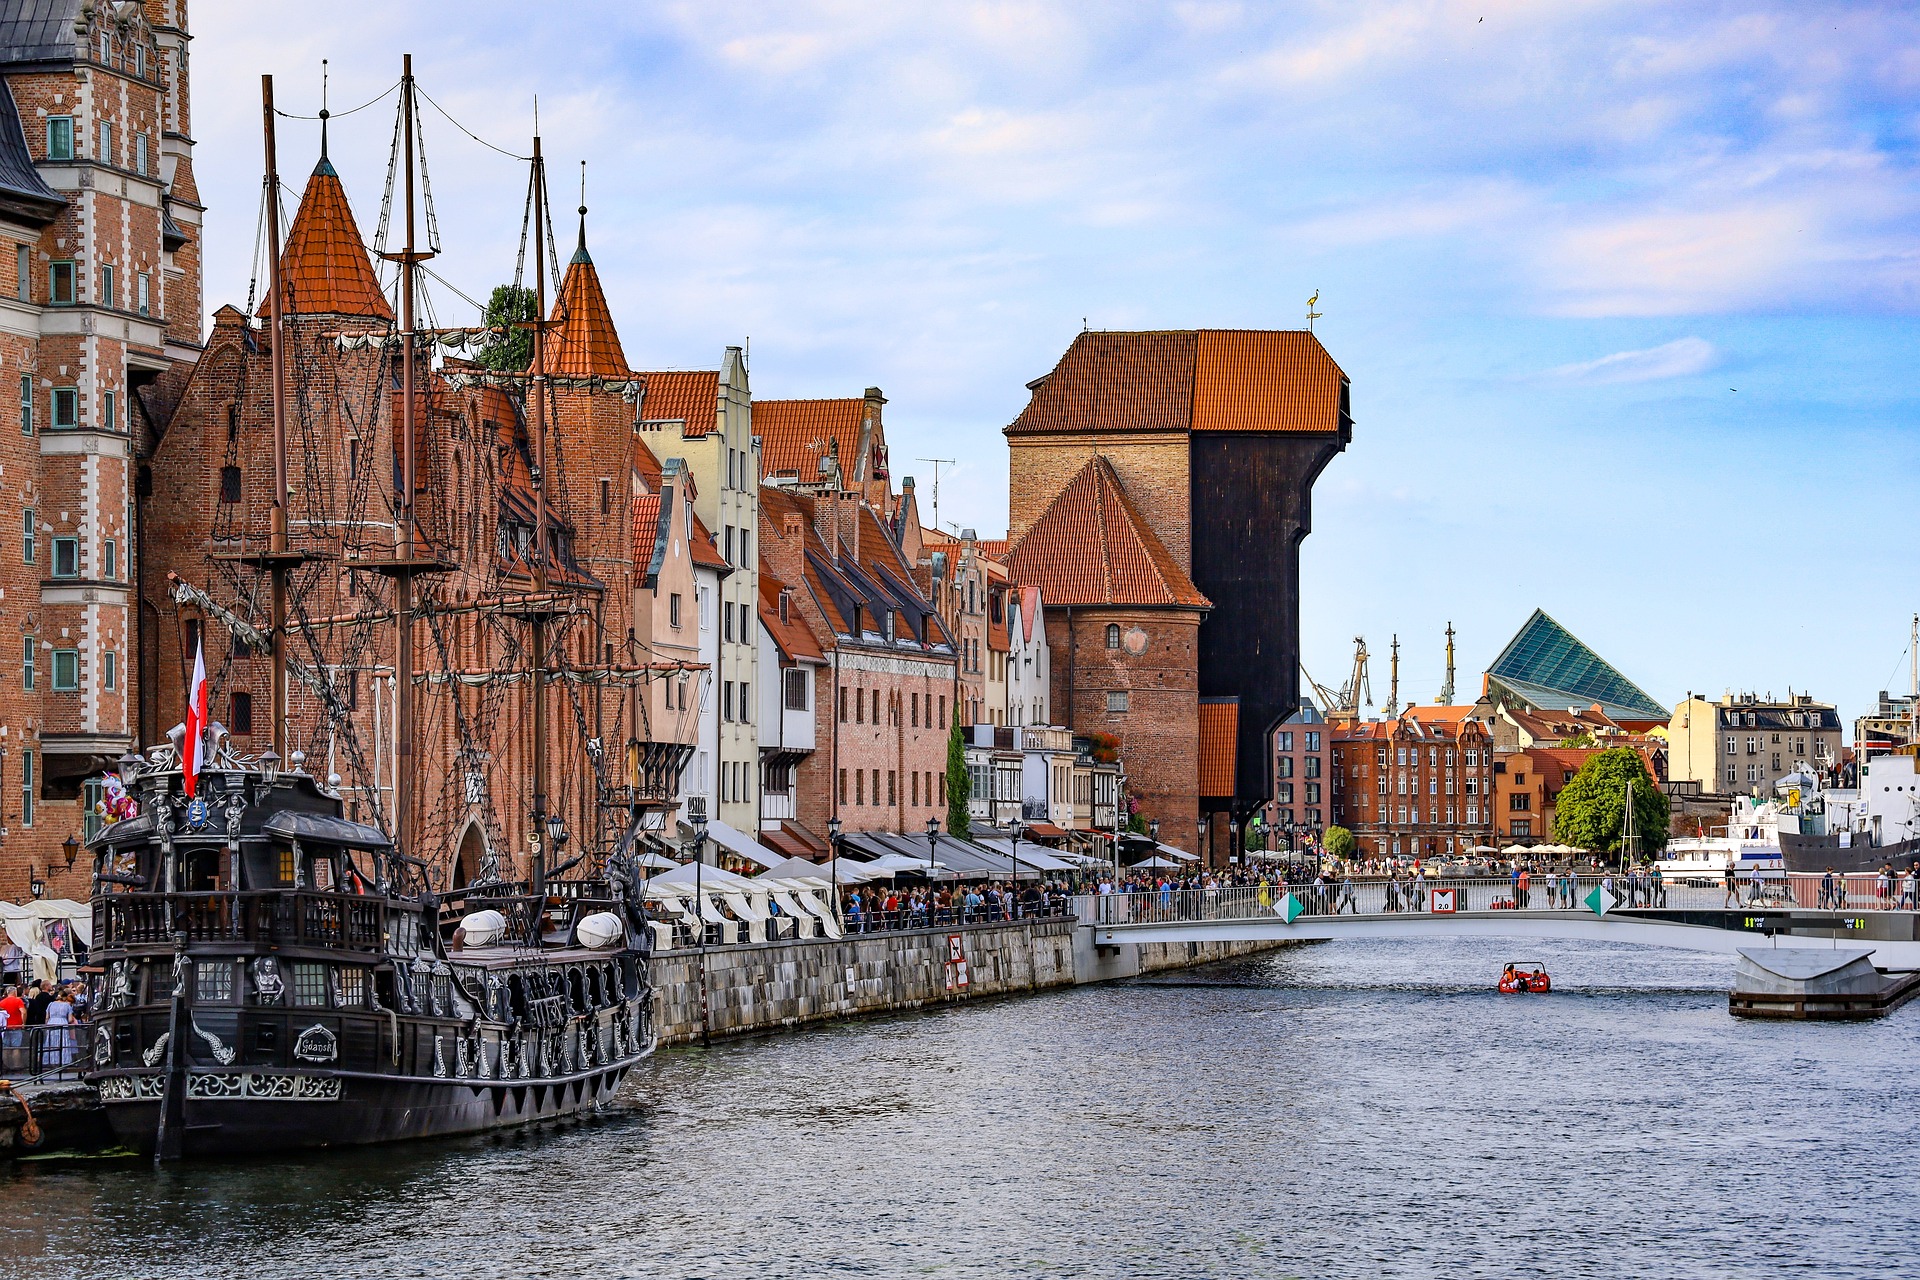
[742, 845]
[711, 879]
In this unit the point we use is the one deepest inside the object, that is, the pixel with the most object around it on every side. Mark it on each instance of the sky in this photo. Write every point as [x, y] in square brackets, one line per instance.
[1627, 292]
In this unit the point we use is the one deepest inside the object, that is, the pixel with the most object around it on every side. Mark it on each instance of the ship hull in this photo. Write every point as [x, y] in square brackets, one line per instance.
[1819, 854]
[236, 1113]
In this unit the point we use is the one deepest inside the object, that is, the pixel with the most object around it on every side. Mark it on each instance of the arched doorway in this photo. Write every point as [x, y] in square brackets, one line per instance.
[472, 854]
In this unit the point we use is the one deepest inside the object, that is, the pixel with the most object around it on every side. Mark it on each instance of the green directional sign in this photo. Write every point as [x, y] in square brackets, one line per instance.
[1288, 908]
[1600, 901]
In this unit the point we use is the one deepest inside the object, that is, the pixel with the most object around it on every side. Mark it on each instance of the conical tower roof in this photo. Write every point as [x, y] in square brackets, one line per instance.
[324, 266]
[586, 345]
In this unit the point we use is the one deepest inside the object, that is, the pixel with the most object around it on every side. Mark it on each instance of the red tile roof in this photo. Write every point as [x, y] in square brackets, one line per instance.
[689, 396]
[794, 435]
[1264, 380]
[1219, 754]
[706, 554]
[1187, 380]
[793, 637]
[646, 531]
[646, 464]
[324, 267]
[1092, 546]
[586, 345]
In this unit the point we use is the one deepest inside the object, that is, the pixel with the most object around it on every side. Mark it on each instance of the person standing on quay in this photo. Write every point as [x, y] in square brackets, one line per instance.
[1732, 882]
[1522, 890]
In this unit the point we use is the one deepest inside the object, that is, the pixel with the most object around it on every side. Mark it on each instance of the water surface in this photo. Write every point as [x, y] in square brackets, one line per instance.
[1352, 1109]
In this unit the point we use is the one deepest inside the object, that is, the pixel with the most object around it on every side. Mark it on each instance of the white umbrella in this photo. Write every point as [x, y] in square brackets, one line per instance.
[1515, 848]
[1155, 862]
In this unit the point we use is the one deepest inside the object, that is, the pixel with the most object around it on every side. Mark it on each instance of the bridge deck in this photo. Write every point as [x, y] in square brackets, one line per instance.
[1688, 917]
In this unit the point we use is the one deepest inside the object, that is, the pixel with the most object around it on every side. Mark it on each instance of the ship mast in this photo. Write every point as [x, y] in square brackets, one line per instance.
[279, 559]
[541, 612]
[406, 563]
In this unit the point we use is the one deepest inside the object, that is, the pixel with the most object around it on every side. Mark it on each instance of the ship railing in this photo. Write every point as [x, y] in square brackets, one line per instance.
[287, 917]
[30, 1055]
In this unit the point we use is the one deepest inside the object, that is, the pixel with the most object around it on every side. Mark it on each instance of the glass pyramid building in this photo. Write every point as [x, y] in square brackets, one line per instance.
[1545, 667]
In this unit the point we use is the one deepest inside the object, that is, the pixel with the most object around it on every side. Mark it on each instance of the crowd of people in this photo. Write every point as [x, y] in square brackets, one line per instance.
[871, 908]
[39, 1026]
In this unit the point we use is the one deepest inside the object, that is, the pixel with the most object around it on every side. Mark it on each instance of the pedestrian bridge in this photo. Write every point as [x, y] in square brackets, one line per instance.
[1781, 911]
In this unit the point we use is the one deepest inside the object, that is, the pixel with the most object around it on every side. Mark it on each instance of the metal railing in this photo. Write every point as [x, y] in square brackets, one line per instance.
[29, 1054]
[1547, 892]
[280, 918]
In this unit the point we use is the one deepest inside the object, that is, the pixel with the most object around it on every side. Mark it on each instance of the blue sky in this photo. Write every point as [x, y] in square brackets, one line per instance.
[1627, 291]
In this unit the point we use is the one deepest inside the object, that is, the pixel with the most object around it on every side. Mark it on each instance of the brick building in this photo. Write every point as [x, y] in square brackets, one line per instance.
[1214, 439]
[1122, 624]
[1419, 786]
[99, 303]
[885, 689]
[622, 535]
[1303, 774]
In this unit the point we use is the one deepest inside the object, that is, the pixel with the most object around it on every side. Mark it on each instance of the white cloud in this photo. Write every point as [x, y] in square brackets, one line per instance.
[1676, 359]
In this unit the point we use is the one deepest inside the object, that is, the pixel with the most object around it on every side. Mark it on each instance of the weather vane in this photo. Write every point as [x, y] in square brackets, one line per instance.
[1312, 315]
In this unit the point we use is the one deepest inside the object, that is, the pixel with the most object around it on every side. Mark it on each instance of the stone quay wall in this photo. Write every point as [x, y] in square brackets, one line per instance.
[776, 985]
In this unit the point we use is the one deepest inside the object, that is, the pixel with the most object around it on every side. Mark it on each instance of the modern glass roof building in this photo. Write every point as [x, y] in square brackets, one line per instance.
[1545, 667]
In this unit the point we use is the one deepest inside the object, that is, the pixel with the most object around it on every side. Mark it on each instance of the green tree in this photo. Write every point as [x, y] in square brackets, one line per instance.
[1579, 741]
[1591, 809]
[510, 350]
[1338, 842]
[959, 781]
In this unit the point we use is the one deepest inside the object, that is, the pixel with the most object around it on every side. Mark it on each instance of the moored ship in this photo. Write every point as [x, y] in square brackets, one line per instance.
[275, 976]
[269, 973]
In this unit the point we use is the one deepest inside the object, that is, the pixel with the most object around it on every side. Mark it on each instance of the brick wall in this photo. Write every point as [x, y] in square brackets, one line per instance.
[1159, 731]
[1153, 467]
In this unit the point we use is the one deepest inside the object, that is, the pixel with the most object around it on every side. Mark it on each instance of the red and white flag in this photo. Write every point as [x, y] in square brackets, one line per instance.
[193, 750]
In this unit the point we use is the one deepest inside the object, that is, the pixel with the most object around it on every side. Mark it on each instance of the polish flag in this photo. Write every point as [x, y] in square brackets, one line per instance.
[193, 750]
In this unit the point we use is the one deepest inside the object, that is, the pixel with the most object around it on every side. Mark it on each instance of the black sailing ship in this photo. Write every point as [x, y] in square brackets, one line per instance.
[270, 975]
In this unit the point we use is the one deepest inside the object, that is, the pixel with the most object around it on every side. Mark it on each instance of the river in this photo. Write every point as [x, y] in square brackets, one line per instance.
[1344, 1110]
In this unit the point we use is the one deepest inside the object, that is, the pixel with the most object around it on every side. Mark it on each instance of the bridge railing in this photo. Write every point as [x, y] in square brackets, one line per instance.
[1546, 892]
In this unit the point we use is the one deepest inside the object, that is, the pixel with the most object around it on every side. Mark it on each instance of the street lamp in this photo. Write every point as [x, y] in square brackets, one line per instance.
[1014, 831]
[270, 766]
[35, 885]
[933, 842]
[70, 849]
[129, 770]
[833, 842]
[1119, 808]
[556, 831]
[699, 863]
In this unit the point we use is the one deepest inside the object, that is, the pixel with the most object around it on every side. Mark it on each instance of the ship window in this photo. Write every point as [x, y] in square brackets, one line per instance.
[353, 988]
[309, 985]
[213, 983]
[283, 872]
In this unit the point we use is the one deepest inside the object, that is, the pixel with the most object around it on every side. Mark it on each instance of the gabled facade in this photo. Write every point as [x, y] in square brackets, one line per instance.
[706, 419]
[885, 691]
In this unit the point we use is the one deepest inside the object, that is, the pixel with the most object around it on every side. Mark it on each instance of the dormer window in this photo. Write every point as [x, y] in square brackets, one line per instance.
[784, 595]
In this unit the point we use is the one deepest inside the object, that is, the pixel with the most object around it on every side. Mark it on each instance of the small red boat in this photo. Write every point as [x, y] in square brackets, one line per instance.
[1525, 976]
